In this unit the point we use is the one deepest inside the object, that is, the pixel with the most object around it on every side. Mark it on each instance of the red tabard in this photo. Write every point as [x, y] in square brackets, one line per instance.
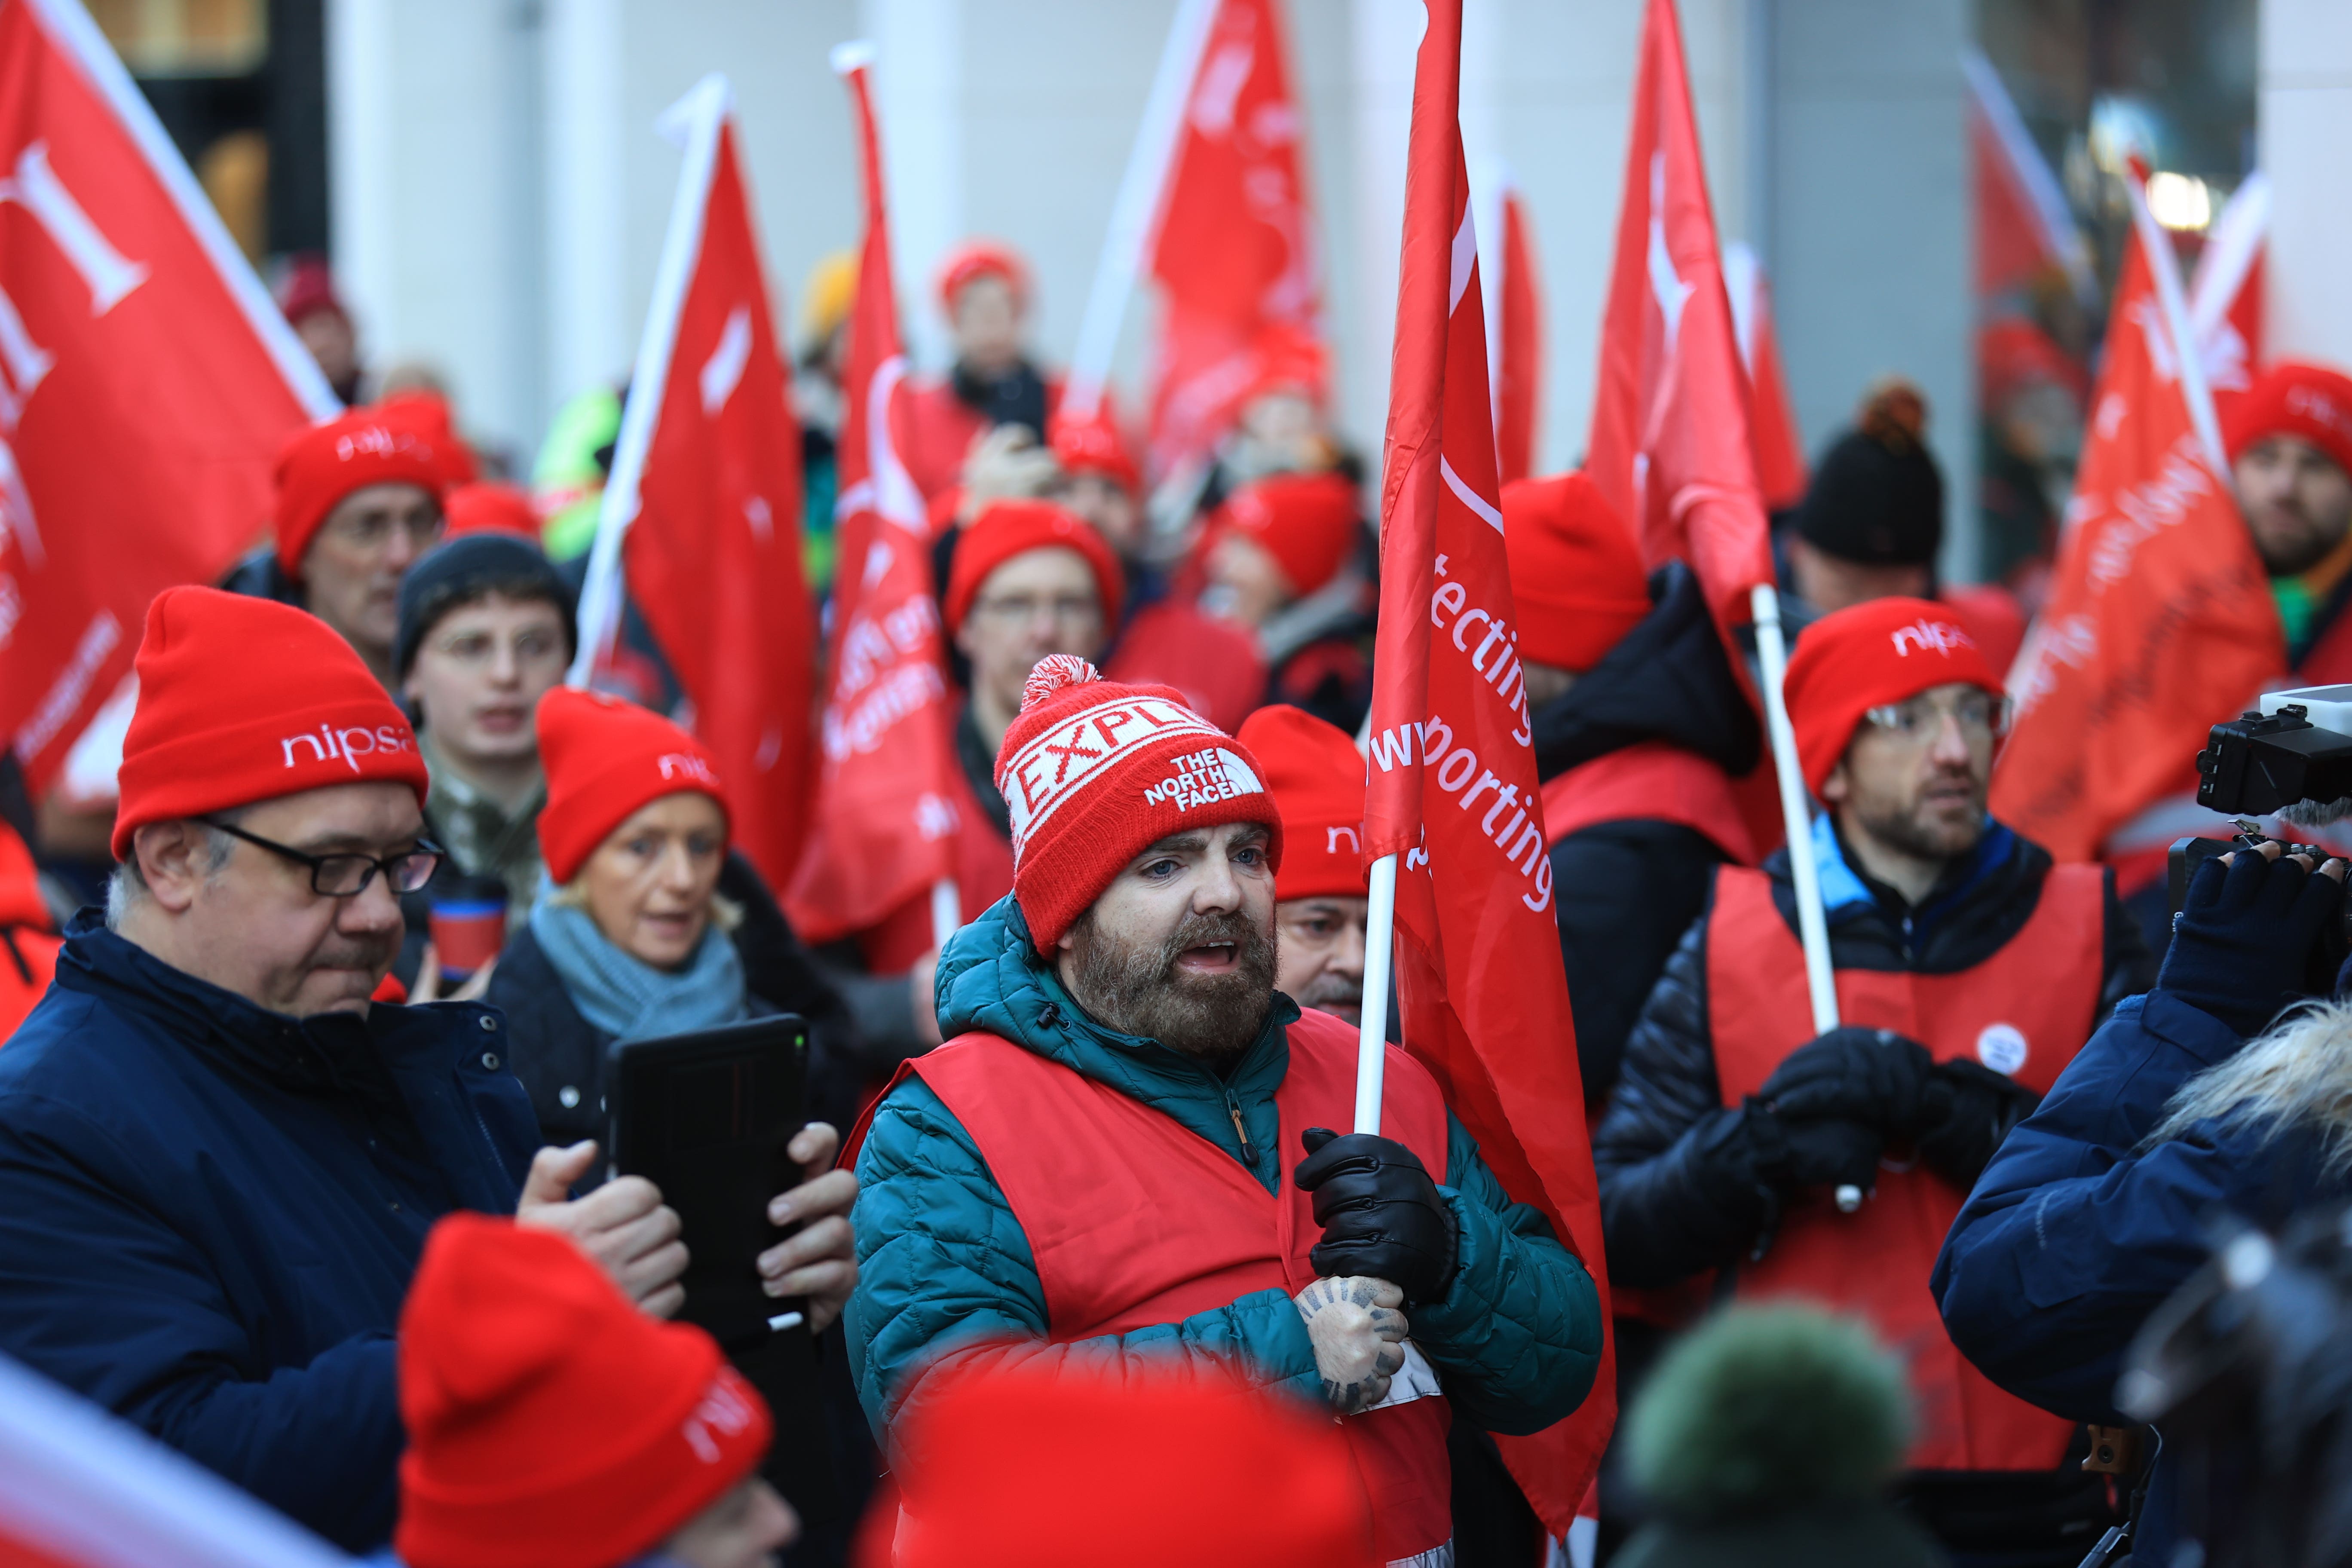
[1656, 782]
[983, 874]
[2024, 1010]
[1134, 1221]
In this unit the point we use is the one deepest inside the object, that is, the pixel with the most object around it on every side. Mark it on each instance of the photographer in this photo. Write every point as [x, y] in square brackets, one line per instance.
[2100, 1204]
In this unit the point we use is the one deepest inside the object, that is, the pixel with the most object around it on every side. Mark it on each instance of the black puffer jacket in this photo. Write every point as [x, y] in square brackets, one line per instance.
[1667, 1211]
[1627, 890]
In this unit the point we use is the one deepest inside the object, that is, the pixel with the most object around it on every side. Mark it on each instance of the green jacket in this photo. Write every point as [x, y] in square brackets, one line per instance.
[941, 1260]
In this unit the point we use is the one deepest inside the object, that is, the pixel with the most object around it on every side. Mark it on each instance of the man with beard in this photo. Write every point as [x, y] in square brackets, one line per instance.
[1095, 1168]
[2290, 444]
[1316, 777]
[1969, 971]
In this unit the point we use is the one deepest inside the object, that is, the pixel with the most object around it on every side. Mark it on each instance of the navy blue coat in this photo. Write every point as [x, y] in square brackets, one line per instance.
[209, 1213]
[2074, 1233]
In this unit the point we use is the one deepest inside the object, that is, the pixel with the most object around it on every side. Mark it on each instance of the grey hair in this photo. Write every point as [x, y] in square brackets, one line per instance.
[2298, 1075]
[126, 887]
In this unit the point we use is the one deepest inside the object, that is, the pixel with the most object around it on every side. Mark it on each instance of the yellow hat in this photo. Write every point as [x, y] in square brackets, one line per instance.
[826, 299]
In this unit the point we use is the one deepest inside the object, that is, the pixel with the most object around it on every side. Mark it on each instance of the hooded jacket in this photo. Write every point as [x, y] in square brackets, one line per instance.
[210, 1213]
[941, 1260]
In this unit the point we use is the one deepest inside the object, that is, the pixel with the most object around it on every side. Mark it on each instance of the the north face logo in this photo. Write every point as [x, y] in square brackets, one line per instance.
[346, 746]
[1922, 635]
[1201, 777]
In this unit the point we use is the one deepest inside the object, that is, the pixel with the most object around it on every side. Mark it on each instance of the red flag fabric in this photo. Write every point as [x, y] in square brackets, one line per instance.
[146, 382]
[1519, 381]
[713, 554]
[884, 829]
[1772, 419]
[1670, 445]
[2023, 227]
[2225, 295]
[1452, 787]
[2160, 618]
[1234, 251]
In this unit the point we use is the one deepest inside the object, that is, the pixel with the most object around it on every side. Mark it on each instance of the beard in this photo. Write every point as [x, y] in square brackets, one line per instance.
[1927, 831]
[1136, 989]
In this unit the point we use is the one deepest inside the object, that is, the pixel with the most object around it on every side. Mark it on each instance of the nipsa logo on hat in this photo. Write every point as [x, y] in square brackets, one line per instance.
[686, 764]
[376, 441]
[1203, 776]
[1922, 635]
[346, 746]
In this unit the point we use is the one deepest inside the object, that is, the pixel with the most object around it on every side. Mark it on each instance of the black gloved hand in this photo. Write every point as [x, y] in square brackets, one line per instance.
[1967, 1111]
[1381, 1214]
[2243, 942]
[1874, 1077]
[1827, 1152]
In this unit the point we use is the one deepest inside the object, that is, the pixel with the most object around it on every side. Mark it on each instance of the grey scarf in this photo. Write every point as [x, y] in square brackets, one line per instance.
[628, 998]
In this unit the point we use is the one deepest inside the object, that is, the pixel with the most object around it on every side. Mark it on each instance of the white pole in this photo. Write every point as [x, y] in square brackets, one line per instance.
[1812, 925]
[2164, 266]
[1373, 1043]
[947, 910]
[1137, 207]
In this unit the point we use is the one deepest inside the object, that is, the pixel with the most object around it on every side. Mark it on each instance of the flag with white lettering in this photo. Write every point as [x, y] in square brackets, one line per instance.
[885, 825]
[1452, 789]
[146, 381]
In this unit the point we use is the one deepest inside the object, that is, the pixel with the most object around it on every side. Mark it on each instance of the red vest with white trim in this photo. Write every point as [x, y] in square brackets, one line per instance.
[2025, 1012]
[1135, 1221]
[1654, 782]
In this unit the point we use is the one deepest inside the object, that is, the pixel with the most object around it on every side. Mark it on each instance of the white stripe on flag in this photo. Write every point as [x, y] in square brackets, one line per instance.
[1470, 498]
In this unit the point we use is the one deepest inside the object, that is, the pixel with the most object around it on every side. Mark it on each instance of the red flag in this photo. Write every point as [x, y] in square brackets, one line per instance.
[2160, 618]
[1670, 445]
[1234, 246]
[1772, 421]
[1519, 381]
[2225, 296]
[884, 829]
[706, 483]
[2023, 224]
[1452, 781]
[146, 382]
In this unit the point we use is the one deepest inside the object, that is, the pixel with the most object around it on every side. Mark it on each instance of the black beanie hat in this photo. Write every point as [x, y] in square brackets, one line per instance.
[464, 569]
[1877, 498]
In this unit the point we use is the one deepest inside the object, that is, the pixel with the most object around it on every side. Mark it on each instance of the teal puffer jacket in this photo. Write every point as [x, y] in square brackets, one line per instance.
[941, 1260]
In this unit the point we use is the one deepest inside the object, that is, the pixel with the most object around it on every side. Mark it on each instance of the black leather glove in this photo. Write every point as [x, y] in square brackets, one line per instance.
[2242, 946]
[1747, 1148]
[1967, 1111]
[1873, 1077]
[1381, 1214]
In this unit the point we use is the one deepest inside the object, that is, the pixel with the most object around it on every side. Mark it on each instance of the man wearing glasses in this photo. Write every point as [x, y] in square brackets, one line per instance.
[1969, 971]
[218, 1160]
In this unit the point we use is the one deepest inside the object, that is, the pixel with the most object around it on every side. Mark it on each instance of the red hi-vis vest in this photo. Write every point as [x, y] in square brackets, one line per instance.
[1654, 782]
[2025, 1011]
[1135, 1221]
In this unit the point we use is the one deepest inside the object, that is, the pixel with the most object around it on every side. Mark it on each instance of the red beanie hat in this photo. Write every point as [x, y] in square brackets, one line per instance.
[242, 699]
[1884, 650]
[1290, 359]
[1096, 772]
[977, 258]
[1005, 529]
[322, 465]
[1576, 571]
[551, 1423]
[1094, 445]
[605, 758]
[1007, 1465]
[2307, 401]
[1308, 522]
[489, 509]
[427, 412]
[1317, 779]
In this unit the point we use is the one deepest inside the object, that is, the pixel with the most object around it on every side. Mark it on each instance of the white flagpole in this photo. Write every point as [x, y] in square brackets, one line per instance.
[1373, 1041]
[2164, 266]
[1137, 207]
[693, 122]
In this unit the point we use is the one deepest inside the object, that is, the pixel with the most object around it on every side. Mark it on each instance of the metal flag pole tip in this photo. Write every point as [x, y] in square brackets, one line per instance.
[1373, 1043]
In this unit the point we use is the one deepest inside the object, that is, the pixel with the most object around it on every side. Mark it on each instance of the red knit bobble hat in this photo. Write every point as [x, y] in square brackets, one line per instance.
[1317, 779]
[2307, 401]
[1095, 774]
[1576, 571]
[1308, 522]
[605, 758]
[1005, 529]
[1006, 1465]
[551, 1423]
[322, 465]
[1884, 650]
[243, 699]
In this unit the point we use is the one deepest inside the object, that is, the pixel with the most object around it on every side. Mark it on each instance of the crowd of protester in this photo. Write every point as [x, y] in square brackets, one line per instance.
[300, 1121]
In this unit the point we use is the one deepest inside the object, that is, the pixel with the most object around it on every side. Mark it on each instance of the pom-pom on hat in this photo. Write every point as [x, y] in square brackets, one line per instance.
[551, 1423]
[1576, 571]
[1308, 522]
[244, 699]
[1882, 650]
[322, 465]
[1877, 498]
[1005, 529]
[1094, 773]
[976, 259]
[1317, 779]
[604, 759]
[2307, 401]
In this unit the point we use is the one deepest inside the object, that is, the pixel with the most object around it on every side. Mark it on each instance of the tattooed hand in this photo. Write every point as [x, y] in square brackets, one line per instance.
[1359, 1337]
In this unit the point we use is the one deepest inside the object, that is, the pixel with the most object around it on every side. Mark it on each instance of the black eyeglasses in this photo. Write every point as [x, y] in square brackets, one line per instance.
[348, 875]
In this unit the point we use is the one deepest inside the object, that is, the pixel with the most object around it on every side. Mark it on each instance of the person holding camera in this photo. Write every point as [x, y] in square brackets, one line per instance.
[2108, 1199]
[1969, 969]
